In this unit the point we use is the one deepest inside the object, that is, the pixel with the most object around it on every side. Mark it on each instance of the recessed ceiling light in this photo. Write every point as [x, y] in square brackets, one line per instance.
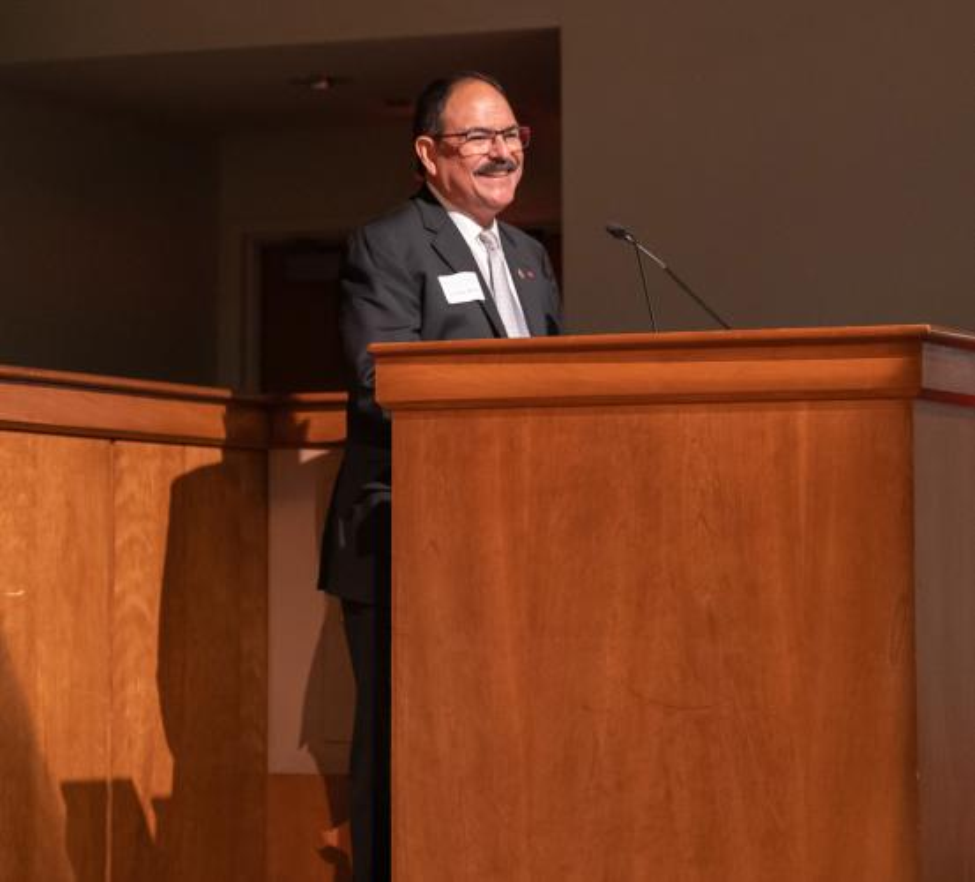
[318, 82]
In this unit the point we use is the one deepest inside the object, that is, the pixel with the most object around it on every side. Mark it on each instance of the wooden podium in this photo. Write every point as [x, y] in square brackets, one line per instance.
[684, 607]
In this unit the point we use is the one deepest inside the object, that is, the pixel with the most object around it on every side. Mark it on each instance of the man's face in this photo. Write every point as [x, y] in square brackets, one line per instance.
[483, 185]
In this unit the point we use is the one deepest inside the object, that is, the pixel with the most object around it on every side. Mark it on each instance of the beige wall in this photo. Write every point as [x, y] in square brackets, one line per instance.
[797, 165]
[283, 183]
[338, 178]
[48, 29]
[803, 164]
[107, 245]
[310, 690]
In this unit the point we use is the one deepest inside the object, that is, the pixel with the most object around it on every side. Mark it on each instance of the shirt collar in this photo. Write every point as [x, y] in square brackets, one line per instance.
[469, 228]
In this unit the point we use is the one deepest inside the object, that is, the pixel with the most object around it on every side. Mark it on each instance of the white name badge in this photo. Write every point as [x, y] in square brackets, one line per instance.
[461, 288]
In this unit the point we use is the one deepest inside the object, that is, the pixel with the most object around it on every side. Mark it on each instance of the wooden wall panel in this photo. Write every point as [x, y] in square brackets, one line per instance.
[190, 651]
[55, 577]
[142, 761]
[691, 627]
[945, 502]
[133, 627]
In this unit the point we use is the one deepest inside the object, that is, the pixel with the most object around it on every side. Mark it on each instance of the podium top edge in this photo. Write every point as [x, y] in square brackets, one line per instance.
[852, 334]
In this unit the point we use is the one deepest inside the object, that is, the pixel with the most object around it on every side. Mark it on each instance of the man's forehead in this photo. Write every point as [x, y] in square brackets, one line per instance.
[474, 100]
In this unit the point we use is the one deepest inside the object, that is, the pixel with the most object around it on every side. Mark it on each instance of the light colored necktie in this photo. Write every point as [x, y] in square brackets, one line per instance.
[505, 299]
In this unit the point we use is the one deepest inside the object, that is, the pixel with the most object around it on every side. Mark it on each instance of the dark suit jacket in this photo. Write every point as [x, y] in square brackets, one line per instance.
[391, 292]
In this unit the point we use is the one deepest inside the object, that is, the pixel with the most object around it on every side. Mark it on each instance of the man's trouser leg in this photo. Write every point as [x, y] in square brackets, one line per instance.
[367, 630]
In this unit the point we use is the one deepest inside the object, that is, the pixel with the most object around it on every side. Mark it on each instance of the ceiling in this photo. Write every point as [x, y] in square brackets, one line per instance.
[231, 89]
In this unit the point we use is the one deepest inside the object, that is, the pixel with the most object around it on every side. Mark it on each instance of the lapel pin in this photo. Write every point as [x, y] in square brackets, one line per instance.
[525, 273]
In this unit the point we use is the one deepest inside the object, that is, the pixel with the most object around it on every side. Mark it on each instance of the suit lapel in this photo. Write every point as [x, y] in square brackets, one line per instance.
[447, 241]
[523, 269]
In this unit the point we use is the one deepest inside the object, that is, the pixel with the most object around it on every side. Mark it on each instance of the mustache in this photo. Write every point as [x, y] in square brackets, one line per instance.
[501, 164]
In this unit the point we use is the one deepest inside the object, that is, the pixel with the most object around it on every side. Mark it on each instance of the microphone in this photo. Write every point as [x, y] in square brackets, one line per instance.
[618, 231]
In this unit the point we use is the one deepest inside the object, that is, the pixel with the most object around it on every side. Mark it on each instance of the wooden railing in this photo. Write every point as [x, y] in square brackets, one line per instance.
[136, 528]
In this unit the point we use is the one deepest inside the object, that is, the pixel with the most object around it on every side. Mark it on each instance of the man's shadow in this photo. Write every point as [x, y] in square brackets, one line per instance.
[328, 695]
[211, 674]
[210, 683]
[211, 678]
[34, 843]
[213, 687]
[325, 691]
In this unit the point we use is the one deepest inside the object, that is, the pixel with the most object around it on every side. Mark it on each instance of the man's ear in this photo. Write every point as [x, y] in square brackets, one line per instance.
[424, 147]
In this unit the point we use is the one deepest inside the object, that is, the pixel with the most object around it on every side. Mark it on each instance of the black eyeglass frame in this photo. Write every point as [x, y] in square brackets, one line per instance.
[472, 136]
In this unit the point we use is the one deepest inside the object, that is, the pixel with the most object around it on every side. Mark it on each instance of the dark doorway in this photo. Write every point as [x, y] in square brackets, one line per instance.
[299, 296]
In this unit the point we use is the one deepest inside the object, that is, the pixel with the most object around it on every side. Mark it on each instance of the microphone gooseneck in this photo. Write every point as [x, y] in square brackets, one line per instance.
[618, 231]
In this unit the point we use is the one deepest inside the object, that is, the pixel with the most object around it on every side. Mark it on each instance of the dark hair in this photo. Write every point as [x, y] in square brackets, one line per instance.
[430, 105]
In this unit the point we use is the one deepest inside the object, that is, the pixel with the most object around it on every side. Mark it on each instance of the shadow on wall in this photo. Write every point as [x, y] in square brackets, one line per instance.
[184, 796]
[199, 720]
[212, 677]
[326, 722]
[311, 686]
[326, 712]
[31, 817]
[86, 833]
[326, 705]
[44, 838]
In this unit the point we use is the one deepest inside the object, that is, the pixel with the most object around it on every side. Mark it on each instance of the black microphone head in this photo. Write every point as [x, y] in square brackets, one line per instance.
[618, 231]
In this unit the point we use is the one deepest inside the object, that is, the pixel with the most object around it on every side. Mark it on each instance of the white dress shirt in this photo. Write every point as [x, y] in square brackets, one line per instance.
[470, 229]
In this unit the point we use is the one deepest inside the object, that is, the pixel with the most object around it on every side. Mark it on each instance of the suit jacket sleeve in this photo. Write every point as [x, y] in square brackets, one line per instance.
[381, 302]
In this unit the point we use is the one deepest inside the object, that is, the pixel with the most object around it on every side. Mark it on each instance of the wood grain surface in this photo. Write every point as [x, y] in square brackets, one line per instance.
[945, 489]
[133, 661]
[646, 643]
[55, 583]
[189, 664]
[133, 625]
[113, 414]
[308, 831]
[684, 603]
[700, 341]
[108, 407]
[791, 364]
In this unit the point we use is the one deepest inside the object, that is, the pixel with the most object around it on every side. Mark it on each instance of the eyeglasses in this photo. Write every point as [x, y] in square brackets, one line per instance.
[477, 142]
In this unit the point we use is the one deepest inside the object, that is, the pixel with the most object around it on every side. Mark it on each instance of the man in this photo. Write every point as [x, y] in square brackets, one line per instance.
[438, 268]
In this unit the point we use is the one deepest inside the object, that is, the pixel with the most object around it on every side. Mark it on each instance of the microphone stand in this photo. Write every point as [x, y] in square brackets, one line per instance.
[617, 231]
[643, 279]
[682, 284]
